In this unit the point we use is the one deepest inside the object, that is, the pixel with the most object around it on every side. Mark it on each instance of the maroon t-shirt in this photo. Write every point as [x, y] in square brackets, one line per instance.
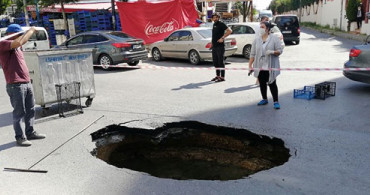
[12, 61]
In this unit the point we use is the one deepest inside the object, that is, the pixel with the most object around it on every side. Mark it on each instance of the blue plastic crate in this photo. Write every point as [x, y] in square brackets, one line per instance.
[307, 93]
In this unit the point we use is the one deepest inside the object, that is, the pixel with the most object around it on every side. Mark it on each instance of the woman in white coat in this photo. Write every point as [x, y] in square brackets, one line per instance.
[264, 55]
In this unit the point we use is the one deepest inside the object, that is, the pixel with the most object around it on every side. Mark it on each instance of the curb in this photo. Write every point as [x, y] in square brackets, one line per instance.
[360, 38]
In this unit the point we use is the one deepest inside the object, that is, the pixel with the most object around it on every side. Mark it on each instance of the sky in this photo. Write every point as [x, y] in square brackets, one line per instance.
[261, 4]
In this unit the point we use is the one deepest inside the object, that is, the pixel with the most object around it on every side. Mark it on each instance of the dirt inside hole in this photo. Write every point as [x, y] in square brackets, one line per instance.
[189, 150]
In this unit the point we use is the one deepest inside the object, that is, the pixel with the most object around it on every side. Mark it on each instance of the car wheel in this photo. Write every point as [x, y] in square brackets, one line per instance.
[157, 56]
[88, 102]
[194, 57]
[133, 63]
[105, 61]
[247, 51]
[297, 42]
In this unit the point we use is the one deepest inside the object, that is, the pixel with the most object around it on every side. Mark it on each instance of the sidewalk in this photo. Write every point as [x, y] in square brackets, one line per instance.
[346, 35]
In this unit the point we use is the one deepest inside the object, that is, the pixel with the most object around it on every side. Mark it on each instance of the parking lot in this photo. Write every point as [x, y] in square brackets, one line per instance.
[328, 139]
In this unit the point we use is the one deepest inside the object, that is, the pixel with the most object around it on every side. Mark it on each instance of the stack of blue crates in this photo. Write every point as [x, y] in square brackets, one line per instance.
[49, 26]
[21, 21]
[83, 21]
[4, 23]
[101, 20]
[118, 23]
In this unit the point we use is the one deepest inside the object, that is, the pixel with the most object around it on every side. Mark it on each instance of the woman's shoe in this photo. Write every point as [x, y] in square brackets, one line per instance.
[220, 79]
[215, 79]
[262, 102]
[276, 105]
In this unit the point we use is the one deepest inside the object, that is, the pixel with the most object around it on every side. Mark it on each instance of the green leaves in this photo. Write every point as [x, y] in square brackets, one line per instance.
[3, 5]
[53, 2]
[281, 6]
[351, 10]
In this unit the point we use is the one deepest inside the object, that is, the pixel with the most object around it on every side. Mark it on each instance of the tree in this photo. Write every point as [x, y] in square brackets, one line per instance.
[61, 2]
[3, 5]
[351, 10]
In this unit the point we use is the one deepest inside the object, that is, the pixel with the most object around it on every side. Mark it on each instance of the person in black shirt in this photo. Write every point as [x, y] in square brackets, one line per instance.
[218, 46]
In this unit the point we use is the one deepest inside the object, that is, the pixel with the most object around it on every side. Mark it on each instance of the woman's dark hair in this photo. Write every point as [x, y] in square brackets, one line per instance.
[268, 25]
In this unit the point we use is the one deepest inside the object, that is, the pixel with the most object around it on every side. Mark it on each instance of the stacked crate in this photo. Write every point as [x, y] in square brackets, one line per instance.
[83, 21]
[4, 22]
[49, 26]
[118, 23]
[21, 21]
[101, 20]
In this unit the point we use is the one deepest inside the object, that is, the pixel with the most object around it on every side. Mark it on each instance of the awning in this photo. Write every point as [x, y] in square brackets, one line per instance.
[70, 8]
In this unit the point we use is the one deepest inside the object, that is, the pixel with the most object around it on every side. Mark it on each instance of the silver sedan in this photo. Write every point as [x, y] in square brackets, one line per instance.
[189, 43]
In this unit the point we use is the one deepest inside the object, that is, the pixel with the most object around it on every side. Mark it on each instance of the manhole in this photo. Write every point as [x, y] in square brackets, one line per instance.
[189, 150]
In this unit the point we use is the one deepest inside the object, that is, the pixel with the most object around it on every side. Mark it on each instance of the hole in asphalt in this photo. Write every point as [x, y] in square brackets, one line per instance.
[189, 150]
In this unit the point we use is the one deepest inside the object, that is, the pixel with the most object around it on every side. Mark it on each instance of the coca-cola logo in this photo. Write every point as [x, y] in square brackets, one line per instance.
[166, 27]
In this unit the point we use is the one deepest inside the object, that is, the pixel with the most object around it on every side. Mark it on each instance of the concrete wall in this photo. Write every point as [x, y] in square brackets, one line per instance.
[332, 13]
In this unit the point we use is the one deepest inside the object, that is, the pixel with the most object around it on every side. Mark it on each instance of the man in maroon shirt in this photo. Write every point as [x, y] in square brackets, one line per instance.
[18, 85]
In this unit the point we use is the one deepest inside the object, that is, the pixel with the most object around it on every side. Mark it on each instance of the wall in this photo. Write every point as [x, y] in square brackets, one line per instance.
[328, 12]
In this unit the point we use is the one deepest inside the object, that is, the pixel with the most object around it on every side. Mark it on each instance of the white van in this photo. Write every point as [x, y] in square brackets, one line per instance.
[267, 13]
[38, 41]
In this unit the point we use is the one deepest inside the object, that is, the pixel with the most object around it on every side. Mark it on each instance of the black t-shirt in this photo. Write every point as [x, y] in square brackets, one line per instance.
[218, 31]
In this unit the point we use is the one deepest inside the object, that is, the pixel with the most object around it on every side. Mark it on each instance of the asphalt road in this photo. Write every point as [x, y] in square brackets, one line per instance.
[328, 139]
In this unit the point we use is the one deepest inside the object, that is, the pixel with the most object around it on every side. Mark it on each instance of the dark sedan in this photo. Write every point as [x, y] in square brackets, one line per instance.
[359, 57]
[109, 47]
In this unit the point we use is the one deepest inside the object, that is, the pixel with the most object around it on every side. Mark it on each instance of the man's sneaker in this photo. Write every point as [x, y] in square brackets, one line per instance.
[36, 135]
[262, 102]
[23, 142]
[276, 105]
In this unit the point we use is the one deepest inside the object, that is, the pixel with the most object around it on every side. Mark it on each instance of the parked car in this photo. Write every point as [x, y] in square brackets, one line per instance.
[38, 41]
[189, 43]
[359, 57]
[109, 47]
[289, 26]
[245, 33]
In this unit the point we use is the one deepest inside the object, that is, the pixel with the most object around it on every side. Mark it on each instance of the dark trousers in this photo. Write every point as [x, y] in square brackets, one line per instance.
[359, 22]
[263, 78]
[218, 55]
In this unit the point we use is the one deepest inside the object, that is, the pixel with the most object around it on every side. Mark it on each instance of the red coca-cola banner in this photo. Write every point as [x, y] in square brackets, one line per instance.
[153, 21]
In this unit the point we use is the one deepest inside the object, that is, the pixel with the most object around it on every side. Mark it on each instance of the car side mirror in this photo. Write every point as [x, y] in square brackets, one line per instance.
[166, 39]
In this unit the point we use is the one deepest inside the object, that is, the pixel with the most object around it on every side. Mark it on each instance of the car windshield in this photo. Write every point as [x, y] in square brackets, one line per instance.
[206, 33]
[286, 21]
[119, 35]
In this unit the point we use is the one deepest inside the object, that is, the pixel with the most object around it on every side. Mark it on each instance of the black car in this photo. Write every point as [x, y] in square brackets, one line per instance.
[289, 26]
[109, 47]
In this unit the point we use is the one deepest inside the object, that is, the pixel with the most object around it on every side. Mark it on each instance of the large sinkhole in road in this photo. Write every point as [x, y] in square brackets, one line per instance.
[189, 150]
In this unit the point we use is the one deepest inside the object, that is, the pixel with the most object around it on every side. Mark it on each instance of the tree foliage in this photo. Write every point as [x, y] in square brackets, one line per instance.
[351, 10]
[3, 5]
[53, 2]
[281, 6]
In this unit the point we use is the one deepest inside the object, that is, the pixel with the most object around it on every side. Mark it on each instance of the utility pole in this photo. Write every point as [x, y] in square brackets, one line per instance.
[37, 10]
[251, 10]
[113, 15]
[300, 10]
[341, 16]
[26, 13]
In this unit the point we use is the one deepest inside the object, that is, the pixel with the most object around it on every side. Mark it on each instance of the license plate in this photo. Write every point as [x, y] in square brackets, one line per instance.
[288, 31]
[136, 46]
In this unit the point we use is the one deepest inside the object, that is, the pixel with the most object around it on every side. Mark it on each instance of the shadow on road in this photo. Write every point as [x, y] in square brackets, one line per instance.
[239, 89]
[194, 85]
[6, 119]
[8, 145]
